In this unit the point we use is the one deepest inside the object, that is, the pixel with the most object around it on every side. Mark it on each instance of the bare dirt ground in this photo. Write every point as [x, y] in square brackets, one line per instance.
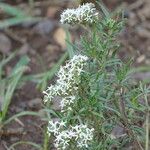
[44, 43]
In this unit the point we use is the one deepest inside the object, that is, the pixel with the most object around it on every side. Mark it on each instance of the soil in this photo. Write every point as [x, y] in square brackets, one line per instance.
[44, 43]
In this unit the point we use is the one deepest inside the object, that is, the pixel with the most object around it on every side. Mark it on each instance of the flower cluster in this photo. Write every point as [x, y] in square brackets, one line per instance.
[68, 80]
[83, 135]
[85, 14]
[80, 134]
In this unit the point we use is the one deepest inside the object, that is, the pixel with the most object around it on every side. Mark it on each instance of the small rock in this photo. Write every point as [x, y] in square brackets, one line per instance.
[35, 103]
[141, 59]
[5, 44]
[45, 26]
[60, 37]
[117, 132]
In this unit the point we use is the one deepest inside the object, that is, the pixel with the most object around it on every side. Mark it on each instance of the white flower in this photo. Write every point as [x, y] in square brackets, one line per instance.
[87, 13]
[68, 100]
[68, 80]
[55, 127]
[62, 140]
[69, 17]
[80, 134]
[83, 14]
[84, 135]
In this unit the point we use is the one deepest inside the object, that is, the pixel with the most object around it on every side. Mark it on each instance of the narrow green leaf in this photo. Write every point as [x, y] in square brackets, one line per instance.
[37, 146]
[68, 43]
[17, 20]
[104, 9]
[11, 84]
[24, 113]
[22, 62]
[12, 10]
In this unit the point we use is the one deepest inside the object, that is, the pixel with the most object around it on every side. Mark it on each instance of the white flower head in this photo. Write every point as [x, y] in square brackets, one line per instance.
[67, 101]
[69, 17]
[55, 127]
[87, 13]
[62, 140]
[84, 14]
[84, 135]
[66, 86]
[81, 135]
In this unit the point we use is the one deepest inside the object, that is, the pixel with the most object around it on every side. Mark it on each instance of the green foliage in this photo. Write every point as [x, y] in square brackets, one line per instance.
[17, 16]
[107, 97]
[9, 84]
[12, 10]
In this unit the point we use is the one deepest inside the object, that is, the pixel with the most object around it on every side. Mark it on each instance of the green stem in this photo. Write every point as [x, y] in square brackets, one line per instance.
[46, 140]
[147, 123]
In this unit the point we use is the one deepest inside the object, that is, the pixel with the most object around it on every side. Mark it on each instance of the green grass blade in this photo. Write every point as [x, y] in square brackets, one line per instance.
[24, 113]
[37, 146]
[9, 93]
[140, 69]
[5, 61]
[12, 84]
[104, 9]
[17, 20]
[22, 62]
[12, 10]
[68, 44]
[46, 142]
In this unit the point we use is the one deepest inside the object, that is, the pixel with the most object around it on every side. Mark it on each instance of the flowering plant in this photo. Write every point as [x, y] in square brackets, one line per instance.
[84, 14]
[95, 92]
